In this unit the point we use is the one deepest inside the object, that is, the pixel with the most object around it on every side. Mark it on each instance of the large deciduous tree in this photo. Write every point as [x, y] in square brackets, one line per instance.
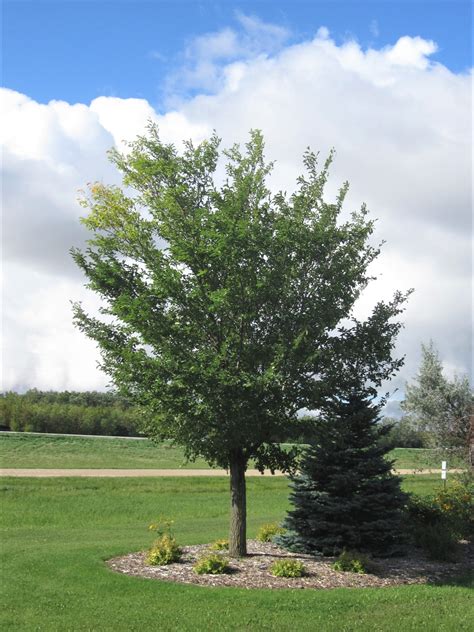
[227, 309]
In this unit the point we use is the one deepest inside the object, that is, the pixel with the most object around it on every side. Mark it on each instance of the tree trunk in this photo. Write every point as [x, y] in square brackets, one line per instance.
[238, 506]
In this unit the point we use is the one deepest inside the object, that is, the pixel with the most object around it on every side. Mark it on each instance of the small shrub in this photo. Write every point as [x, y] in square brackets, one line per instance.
[423, 512]
[352, 562]
[456, 502]
[437, 541]
[287, 568]
[161, 526]
[267, 532]
[165, 550]
[213, 564]
[220, 545]
[436, 523]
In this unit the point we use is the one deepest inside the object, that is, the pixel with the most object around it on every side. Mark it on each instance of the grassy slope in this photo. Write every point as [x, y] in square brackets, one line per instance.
[29, 451]
[57, 532]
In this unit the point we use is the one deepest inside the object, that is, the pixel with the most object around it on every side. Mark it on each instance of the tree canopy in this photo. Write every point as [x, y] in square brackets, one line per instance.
[441, 407]
[228, 309]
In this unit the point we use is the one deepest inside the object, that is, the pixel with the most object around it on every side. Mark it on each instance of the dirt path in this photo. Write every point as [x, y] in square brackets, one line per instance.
[110, 473]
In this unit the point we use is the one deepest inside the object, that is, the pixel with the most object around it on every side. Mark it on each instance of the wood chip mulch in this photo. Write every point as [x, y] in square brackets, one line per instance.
[253, 571]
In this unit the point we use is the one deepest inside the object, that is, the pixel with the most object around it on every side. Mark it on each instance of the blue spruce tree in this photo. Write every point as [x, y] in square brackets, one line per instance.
[345, 494]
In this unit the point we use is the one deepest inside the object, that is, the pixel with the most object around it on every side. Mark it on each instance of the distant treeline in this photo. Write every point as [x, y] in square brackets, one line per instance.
[92, 412]
[68, 412]
[402, 434]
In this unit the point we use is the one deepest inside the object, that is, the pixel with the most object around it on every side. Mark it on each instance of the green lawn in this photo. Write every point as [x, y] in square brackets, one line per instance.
[418, 458]
[56, 534]
[29, 451]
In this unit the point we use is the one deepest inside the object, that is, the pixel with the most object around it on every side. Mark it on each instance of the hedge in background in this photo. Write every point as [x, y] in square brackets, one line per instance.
[68, 412]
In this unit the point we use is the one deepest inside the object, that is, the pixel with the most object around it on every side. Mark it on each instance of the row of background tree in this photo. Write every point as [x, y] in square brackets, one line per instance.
[69, 412]
[96, 413]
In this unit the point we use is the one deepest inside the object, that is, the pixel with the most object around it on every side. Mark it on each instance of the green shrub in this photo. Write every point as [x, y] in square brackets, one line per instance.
[220, 545]
[352, 562]
[423, 512]
[456, 503]
[165, 550]
[267, 532]
[68, 412]
[437, 522]
[288, 568]
[437, 541]
[213, 564]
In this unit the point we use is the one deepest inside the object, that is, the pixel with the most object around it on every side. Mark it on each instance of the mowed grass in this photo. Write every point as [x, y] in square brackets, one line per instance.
[24, 450]
[420, 458]
[56, 534]
[33, 451]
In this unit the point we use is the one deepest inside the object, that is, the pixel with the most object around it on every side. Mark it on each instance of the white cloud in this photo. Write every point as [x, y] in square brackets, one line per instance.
[261, 35]
[41, 348]
[411, 51]
[206, 57]
[124, 119]
[401, 128]
[220, 45]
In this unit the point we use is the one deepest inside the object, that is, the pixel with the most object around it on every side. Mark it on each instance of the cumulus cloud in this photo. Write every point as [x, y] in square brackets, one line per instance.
[400, 125]
[40, 346]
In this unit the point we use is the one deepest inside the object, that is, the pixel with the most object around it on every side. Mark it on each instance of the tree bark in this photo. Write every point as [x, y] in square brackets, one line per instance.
[238, 506]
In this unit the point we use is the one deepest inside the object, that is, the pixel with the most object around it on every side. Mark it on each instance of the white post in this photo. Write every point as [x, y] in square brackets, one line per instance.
[444, 472]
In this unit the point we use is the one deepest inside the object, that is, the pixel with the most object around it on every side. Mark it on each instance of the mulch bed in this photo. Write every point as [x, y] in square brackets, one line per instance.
[253, 571]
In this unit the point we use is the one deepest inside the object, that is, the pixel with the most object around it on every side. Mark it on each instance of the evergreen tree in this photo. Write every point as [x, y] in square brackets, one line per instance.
[345, 495]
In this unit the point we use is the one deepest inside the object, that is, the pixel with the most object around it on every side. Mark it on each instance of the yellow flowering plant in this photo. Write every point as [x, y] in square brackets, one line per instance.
[165, 549]
[456, 502]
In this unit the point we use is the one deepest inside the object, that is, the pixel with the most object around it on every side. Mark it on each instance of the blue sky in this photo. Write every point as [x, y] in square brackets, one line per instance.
[79, 50]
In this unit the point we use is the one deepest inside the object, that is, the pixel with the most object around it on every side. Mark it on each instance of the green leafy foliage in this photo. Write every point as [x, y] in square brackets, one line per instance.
[352, 562]
[220, 545]
[456, 502]
[422, 511]
[403, 434]
[267, 532]
[68, 412]
[165, 550]
[287, 568]
[438, 521]
[213, 564]
[453, 505]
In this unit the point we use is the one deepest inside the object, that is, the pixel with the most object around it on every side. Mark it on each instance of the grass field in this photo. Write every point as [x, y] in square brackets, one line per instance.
[56, 534]
[22, 450]
[29, 451]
